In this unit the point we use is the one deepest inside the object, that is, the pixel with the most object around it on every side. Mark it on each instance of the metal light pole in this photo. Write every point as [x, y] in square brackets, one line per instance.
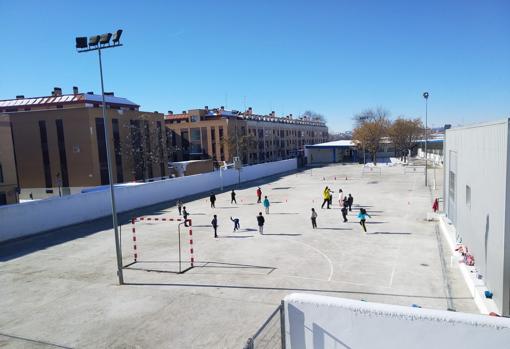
[96, 43]
[426, 96]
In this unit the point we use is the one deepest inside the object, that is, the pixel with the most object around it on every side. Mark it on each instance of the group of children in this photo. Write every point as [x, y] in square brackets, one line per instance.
[345, 203]
[235, 220]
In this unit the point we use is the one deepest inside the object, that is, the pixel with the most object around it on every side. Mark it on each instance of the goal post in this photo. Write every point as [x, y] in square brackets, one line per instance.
[369, 170]
[414, 169]
[184, 264]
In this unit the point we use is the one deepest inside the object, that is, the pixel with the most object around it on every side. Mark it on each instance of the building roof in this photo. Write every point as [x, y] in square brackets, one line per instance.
[223, 113]
[333, 144]
[65, 99]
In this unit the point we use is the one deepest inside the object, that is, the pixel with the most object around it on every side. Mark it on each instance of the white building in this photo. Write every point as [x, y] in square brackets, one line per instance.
[331, 152]
[477, 199]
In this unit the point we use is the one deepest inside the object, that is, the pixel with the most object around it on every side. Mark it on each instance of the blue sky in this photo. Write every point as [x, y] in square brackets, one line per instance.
[334, 57]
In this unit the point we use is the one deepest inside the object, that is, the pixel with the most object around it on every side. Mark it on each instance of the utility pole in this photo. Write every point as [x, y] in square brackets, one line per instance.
[426, 96]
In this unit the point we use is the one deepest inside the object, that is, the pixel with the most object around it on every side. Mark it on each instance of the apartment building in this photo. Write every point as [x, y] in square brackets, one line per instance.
[222, 134]
[60, 145]
[8, 175]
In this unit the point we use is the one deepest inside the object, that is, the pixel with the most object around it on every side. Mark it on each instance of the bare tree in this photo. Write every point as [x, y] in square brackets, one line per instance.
[404, 133]
[314, 116]
[243, 142]
[145, 145]
[370, 115]
[372, 127]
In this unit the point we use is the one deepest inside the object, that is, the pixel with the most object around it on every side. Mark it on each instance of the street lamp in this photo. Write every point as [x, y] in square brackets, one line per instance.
[426, 96]
[97, 43]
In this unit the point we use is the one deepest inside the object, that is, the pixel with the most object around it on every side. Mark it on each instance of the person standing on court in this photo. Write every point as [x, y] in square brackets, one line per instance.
[314, 219]
[237, 226]
[212, 199]
[259, 195]
[185, 215]
[350, 200]
[325, 197]
[340, 198]
[266, 204]
[330, 198]
[179, 206]
[214, 224]
[435, 206]
[233, 197]
[260, 223]
[362, 215]
[344, 212]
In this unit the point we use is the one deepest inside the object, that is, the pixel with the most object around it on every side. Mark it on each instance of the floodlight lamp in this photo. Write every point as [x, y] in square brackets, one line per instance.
[81, 42]
[94, 40]
[116, 37]
[105, 38]
[425, 95]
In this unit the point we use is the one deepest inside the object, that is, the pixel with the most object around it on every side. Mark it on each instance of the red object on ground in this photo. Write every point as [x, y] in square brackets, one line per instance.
[494, 314]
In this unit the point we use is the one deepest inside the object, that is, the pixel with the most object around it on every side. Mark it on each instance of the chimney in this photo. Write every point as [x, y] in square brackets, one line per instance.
[53, 93]
[170, 112]
[57, 91]
[75, 90]
[184, 111]
[222, 108]
[273, 114]
[206, 108]
[249, 111]
[90, 92]
[20, 97]
[109, 94]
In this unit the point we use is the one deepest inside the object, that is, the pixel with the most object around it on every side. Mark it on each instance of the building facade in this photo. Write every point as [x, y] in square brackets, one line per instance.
[477, 200]
[8, 175]
[60, 145]
[222, 134]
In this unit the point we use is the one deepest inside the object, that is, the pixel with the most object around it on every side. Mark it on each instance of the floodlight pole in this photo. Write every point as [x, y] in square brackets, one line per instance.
[426, 96]
[110, 176]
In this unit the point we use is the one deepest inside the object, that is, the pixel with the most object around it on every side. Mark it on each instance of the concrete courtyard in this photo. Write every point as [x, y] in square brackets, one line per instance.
[60, 289]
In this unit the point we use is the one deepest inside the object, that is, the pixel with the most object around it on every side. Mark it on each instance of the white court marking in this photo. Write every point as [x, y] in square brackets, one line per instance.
[400, 244]
[322, 254]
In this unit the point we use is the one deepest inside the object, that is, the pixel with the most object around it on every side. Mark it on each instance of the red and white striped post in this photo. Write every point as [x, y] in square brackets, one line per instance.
[133, 220]
[192, 258]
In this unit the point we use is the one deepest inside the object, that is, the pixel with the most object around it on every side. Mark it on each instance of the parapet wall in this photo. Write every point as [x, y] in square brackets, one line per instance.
[38, 216]
[313, 321]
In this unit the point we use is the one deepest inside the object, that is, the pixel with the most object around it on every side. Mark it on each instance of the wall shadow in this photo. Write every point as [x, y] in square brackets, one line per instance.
[17, 248]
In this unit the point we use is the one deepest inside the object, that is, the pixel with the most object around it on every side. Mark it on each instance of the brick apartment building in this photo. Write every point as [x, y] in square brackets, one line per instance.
[221, 134]
[60, 147]
[8, 175]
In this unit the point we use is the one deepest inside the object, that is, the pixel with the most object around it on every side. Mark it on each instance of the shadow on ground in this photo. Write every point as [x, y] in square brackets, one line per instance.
[19, 247]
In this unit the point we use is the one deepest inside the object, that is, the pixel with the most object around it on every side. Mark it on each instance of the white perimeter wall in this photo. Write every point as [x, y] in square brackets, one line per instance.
[319, 322]
[38, 216]
[482, 164]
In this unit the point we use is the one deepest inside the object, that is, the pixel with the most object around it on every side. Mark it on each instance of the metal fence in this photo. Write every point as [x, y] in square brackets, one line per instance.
[271, 334]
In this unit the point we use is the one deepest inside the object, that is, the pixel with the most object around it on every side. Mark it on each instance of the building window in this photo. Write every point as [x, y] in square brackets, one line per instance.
[196, 138]
[468, 196]
[45, 154]
[1, 174]
[222, 150]
[451, 185]
[101, 151]
[118, 151]
[62, 152]
[185, 144]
